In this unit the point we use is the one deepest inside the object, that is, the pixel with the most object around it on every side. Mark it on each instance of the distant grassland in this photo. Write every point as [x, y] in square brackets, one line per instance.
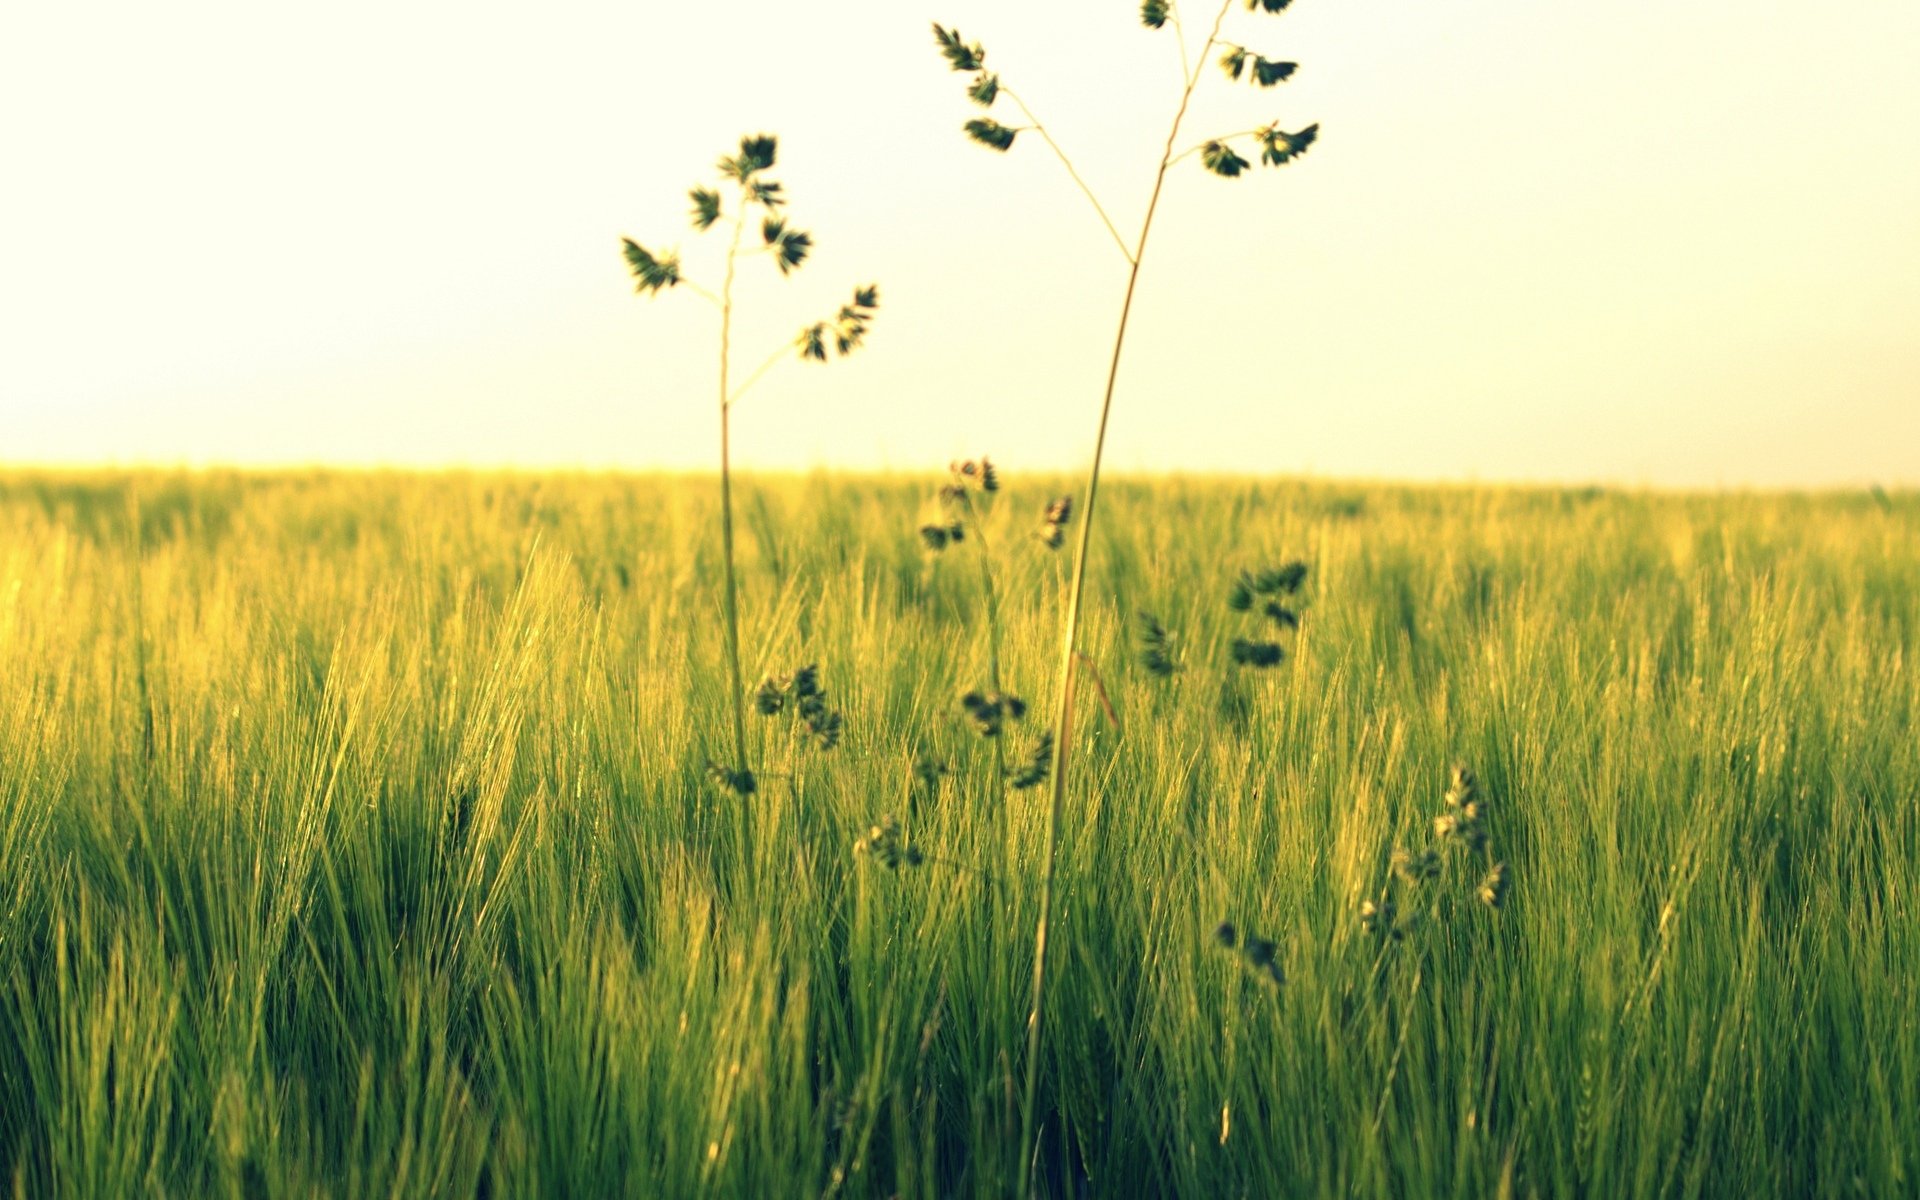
[355, 840]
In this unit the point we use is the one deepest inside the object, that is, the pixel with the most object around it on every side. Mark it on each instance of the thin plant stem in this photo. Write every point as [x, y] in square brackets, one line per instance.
[738, 694]
[1180, 39]
[993, 654]
[1196, 148]
[1066, 162]
[773, 360]
[699, 291]
[1063, 709]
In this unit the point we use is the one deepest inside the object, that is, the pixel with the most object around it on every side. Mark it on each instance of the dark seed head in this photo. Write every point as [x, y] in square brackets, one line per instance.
[740, 783]
[1226, 934]
[1256, 654]
[928, 770]
[806, 681]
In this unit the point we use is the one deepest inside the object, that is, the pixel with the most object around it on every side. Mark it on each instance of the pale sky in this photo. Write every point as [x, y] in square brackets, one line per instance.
[1673, 243]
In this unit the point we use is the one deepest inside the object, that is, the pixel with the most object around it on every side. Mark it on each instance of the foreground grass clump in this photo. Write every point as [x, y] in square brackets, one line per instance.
[354, 839]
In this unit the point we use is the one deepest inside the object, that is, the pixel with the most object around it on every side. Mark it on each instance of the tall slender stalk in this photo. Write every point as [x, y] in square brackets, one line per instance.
[1070, 638]
[738, 695]
[844, 333]
[1275, 148]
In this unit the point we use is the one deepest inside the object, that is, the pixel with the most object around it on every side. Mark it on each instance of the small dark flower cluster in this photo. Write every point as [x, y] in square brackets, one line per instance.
[1460, 834]
[1155, 651]
[1464, 821]
[1257, 953]
[1033, 771]
[847, 331]
[989, 713]
[948, 525]
[809, 700]
[1265, 588]
[972, 473]
[1053, 523]
[740, 782]
[937, 536]
[984, 90]
[928, 771]
[885, 845]
[1381, 920]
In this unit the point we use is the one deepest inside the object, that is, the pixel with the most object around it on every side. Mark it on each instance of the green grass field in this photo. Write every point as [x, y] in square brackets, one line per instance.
[356, 840]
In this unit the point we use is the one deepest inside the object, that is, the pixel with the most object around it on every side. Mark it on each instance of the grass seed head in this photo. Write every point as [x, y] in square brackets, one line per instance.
[1461, 785]
[1053, 522]
[885, 845]
[1259, 954]
[806, 681]
[1155, 647]
[928, 770]
[1380, 920]
[825, 729]
[1493, 888]
[1247, 653]
[989, 713]
[770, 697]
[740, 783]
[1416, 868]
[1033, 772]
[975, 473]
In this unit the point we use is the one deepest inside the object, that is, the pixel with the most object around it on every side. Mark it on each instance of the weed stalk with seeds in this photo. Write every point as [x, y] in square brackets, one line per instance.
[755, 195]
[1274, 146]
[964, 502]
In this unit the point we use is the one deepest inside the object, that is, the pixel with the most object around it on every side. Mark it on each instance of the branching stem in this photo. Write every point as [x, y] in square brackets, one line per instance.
[1066, 162]
[1063, 711]
[1180, 39]
[1197, 147]
[773, 360]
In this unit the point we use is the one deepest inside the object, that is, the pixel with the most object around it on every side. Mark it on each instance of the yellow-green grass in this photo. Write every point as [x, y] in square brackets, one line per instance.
[355, 839]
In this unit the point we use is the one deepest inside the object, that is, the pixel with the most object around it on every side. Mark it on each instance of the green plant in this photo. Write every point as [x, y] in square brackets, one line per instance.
[963, 505]
[754, 191]
[1274, 146]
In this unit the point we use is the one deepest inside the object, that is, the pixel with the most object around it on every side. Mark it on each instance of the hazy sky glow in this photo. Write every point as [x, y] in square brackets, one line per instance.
[1672, 243]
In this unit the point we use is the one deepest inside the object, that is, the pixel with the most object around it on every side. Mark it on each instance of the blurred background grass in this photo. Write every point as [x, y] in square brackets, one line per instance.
[355, 840]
